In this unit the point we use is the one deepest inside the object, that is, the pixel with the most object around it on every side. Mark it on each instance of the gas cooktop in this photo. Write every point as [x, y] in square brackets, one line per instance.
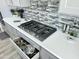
[37, 29]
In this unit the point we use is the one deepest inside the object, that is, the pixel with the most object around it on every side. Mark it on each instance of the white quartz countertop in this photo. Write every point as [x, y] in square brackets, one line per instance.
[56, 44]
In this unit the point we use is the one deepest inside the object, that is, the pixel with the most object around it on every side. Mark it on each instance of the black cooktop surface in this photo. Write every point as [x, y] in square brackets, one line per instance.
[37, 29]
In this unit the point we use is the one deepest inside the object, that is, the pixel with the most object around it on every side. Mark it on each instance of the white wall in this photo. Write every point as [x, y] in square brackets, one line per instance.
[4, 9]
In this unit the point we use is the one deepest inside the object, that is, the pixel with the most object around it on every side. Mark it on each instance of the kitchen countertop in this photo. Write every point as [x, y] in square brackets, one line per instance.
[57, 44]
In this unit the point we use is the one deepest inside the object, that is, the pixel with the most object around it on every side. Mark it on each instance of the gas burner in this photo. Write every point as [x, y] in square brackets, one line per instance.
[38, 30]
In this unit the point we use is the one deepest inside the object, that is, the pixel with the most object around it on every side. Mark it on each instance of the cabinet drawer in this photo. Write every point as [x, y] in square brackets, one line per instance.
[35, 54]
[28, 40]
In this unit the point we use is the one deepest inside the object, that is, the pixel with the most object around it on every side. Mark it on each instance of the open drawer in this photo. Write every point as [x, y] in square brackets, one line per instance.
[26, 50]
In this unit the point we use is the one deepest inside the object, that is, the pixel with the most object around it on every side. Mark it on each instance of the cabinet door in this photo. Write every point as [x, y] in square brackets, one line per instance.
[9, 2]
[69, 7]
[24, 3]
[16, 3]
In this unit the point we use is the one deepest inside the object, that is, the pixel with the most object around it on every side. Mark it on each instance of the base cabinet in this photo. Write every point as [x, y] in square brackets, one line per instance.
[10, 31]
[46, 55]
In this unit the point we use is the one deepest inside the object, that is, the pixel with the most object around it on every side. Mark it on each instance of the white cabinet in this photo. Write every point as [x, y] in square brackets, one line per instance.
[9, 2]
[46, 55]
[10, 31]
[24, 3]
[13, 2]
[18, 3]
[69, 7]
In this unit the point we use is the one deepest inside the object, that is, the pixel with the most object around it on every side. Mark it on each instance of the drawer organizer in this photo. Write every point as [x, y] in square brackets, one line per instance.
[25, 49]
